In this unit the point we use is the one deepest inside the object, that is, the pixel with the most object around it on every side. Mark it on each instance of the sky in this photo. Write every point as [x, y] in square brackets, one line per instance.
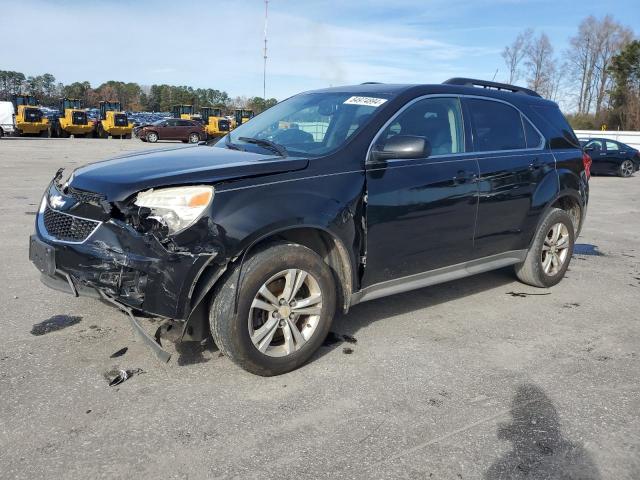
[311, 44]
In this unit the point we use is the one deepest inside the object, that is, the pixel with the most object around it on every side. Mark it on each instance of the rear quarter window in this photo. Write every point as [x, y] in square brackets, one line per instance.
[562, 133]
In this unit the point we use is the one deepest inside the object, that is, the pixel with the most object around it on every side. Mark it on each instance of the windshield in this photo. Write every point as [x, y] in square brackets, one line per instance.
[310, 124]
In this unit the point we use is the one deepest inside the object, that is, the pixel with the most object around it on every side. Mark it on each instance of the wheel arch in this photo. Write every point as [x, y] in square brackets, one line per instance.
[569, 201]
[313, 236]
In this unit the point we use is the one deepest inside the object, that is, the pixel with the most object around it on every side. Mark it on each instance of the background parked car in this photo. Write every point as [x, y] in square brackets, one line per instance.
[173, 129]
[612, 157]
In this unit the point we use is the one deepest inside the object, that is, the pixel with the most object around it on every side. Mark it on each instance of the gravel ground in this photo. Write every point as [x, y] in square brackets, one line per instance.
[479, 378]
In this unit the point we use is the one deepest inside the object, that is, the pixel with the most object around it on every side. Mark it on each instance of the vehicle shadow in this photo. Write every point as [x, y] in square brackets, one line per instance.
[539, 450]
[362, 315]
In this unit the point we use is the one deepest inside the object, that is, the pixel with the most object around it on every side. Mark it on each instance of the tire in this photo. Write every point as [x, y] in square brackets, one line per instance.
[1, 133]
[231, 331]
[46, 133]
[126, 136]
[193, 138]
[152, 137]
[538, 269]
[627, 168]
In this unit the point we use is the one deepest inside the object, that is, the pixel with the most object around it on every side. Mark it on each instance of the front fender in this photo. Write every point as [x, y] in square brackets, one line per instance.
[332, 203]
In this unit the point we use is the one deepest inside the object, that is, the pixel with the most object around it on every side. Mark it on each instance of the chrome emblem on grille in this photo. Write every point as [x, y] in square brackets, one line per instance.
[56, 201]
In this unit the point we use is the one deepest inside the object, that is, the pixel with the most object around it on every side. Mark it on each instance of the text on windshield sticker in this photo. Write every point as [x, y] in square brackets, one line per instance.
[366, 101]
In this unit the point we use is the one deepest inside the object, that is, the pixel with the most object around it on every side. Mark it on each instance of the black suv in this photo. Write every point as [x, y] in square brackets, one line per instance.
[328, 199]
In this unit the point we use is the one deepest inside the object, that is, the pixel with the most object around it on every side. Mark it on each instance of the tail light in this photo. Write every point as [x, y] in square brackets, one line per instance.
[586, 160]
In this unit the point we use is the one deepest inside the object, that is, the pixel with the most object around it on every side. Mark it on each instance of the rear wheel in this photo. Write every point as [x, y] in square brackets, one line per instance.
[194, 138]
[550, 253]
[626, 168]
[46, 133]
[286, 303]
[152, 137]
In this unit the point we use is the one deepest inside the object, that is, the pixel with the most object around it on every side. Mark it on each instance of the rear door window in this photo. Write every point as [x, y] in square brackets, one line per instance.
[612, 147]
[496, 126]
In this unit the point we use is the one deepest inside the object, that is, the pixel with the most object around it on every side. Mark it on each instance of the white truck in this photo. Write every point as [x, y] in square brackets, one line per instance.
[7, 119]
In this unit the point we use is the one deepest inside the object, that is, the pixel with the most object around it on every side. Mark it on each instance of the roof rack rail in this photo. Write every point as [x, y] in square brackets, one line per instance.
[472, 82]
[370, 83]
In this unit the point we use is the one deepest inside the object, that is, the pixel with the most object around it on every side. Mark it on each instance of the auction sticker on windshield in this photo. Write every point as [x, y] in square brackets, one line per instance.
[366, 101]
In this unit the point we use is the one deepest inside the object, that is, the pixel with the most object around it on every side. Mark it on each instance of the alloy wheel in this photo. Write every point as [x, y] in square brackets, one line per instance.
[626, 168]
[194, 138]
[555, 249]
[285, 313]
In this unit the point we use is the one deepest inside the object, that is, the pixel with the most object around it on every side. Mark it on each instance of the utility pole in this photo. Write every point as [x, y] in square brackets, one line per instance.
[264, 71]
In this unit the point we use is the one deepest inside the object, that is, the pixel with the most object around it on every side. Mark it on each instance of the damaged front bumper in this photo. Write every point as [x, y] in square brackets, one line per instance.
[106, 258]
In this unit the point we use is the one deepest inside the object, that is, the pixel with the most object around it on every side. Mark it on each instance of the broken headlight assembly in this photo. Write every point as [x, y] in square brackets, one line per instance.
[175, 208]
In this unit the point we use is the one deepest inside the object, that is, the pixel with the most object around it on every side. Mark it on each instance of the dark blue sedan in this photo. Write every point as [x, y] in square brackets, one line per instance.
[612, 157]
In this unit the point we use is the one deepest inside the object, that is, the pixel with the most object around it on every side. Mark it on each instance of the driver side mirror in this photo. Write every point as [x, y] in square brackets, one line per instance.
[402, 146]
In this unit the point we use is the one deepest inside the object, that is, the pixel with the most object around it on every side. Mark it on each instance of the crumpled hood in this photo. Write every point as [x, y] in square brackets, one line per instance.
[123, 176]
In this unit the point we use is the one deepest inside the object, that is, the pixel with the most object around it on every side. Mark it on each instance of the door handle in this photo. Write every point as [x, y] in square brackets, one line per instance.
[464, 176]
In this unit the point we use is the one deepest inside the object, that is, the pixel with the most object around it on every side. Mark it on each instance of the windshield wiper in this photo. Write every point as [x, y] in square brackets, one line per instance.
[279, 149]
[229, 145]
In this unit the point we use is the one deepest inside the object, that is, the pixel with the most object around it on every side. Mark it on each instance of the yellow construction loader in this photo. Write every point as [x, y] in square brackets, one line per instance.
[29, 117]
[215, 124]
[240, 116]
[72, 120]
[182, 111]
[113, 121]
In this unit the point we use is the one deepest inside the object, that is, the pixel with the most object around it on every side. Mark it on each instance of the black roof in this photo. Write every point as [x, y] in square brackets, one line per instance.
[370, 88]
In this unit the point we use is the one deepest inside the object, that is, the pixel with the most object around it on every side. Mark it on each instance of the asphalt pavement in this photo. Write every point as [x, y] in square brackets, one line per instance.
[482, 378]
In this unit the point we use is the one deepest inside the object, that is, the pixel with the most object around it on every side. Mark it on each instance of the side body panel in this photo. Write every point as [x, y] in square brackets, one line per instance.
[420, 215]
[513, 189]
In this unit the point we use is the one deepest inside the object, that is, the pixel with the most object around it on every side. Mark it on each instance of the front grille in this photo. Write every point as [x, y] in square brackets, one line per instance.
[120, 120]
[83, 196]
[223, 125]
[79, 118]
[68, 228]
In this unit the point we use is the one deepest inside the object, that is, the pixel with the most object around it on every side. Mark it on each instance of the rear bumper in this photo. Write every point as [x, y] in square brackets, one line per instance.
[120, 130]
[30, 127]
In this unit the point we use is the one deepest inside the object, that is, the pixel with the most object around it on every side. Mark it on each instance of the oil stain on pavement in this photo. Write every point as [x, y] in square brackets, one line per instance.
[53, 324]
[587, 249]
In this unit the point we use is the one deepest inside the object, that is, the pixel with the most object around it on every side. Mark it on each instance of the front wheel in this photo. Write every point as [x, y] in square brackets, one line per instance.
[550, 253]
[286, 303]
[626, 169]
[152, 137]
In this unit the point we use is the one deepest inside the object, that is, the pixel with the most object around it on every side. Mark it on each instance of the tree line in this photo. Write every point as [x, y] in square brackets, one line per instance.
[132, 96]
[596, 78]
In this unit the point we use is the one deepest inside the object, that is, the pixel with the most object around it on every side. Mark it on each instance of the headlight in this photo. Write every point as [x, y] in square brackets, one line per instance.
[178, 207]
